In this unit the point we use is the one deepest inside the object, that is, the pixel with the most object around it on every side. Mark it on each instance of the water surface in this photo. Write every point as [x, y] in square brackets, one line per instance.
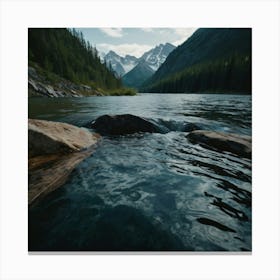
[150, 191]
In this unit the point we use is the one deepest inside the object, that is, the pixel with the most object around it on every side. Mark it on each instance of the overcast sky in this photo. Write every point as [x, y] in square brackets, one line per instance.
[134, 41]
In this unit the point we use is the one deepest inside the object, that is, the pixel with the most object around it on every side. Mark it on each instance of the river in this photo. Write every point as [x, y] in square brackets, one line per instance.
[150, 191]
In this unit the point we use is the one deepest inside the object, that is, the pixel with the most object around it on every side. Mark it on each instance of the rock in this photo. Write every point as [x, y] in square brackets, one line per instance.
[86, 87]
[32, 72]
[46, 137]
[54, 150]
[233, 143]
[191, 127]
[42, 89]
[60, 93]
[122, 124]
[32, 84]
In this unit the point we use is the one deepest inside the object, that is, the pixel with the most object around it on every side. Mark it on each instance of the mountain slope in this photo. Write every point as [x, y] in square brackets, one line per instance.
[156, 56]
[215, 59]
[120, 65]
[140, 73]
[148, 63]
[65, 53]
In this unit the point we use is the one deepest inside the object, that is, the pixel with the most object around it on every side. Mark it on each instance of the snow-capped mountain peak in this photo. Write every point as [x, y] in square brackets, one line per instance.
[119, 64]
[152, 59]
[156, 56]
[147, 65]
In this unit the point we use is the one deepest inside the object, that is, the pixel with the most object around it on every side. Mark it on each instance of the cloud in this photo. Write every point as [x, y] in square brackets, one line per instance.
[124, 49]
[112, 32]
[147, 29]
[183, 34]
[164, 31]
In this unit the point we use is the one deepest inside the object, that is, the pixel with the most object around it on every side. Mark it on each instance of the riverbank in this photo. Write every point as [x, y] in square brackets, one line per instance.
[42, 83]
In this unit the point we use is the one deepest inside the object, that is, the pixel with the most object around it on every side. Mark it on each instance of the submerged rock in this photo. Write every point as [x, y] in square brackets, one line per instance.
[233, 143]
[122, 124]
[54, 150]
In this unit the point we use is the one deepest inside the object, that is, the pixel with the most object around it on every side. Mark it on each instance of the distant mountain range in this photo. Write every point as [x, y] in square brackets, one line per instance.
[120, 65]
[134, 71]
[147, 65]
[156, 56]
[211, 60]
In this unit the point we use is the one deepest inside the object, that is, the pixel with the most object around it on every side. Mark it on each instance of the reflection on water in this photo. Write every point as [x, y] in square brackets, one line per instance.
[150, 191]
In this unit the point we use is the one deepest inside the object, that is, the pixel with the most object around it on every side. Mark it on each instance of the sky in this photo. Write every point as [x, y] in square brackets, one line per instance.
[134, 41]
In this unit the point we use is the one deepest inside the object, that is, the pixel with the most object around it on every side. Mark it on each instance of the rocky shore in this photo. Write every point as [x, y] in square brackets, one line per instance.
[39, 85]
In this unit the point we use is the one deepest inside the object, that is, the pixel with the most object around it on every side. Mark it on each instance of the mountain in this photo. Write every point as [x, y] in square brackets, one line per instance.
[61, 52]
[120, 65]
[156, 56]
[138, 75]
[148, 63]
[212, 59]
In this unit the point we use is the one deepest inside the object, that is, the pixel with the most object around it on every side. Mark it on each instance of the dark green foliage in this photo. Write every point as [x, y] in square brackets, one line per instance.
[211, 60]
[66, 53]
[231, 74]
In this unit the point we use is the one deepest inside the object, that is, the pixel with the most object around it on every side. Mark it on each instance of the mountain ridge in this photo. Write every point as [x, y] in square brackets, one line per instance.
[212, 59]
[148, 63]
[120, 64]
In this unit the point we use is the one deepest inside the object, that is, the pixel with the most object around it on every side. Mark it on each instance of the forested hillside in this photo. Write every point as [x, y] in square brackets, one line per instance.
[65, 52]
[211, 60]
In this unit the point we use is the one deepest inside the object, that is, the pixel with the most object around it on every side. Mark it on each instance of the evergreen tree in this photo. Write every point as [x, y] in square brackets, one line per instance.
[66, 53]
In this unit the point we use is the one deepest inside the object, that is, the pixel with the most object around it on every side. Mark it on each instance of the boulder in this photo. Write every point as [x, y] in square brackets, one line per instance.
[54, 150]
[237, 144]
[122, 124]
[47, 137]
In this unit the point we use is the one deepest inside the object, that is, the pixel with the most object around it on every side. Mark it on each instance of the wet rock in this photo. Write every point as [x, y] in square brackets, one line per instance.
[54, 150]
[122, 124]
[233, 143]
[191, 127]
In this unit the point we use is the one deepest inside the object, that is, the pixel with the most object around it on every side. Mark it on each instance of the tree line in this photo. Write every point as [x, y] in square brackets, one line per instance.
[66, 53]
[229, 74]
